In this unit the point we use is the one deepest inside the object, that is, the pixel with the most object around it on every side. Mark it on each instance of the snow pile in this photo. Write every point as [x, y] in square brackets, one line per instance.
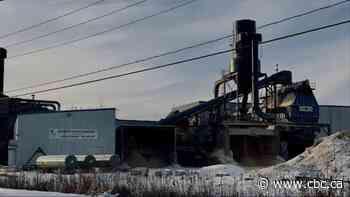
[221, 170]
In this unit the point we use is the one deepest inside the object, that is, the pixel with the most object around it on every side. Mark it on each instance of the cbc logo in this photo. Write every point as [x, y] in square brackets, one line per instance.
[263, 183]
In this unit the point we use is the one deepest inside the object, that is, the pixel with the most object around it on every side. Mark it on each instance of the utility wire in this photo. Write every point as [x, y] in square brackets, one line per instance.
[76, 25]
[182, 61]
[184, 3]
[117, 66]
[305, 13]
[50, 20]
[175, 51]
[307, 31]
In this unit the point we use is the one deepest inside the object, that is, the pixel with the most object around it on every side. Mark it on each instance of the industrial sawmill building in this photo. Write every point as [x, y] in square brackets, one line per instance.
[97, 131]
[86, 132]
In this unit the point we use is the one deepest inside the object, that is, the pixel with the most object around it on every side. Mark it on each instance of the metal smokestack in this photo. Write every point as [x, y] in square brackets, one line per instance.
[245, 31]
[3, 56]
[247, 64]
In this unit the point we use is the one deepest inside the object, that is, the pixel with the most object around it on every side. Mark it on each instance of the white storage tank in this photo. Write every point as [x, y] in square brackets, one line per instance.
[57, 161]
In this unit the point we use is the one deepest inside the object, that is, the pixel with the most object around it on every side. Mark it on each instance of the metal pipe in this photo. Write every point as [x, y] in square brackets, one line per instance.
[3, 56]
[50, 105]
[255, 90]
[56, 104]
[219, 82]
[265, 77]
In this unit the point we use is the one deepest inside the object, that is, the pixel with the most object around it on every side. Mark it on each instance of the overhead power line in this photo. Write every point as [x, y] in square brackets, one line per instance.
[181, 61]
[307, 31]
[51, 19]
[184, 3]
[118, 66]
[306, 13]
[174, 51]
[76, 25]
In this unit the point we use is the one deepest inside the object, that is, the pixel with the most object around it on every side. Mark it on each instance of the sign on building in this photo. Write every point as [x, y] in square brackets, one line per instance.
[76, 134]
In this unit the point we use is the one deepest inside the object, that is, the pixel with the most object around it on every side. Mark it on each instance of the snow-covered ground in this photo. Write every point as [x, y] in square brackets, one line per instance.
[221, 170]
[27, 193]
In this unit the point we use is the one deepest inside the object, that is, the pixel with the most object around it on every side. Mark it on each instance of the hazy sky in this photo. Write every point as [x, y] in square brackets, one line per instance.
[323, 57]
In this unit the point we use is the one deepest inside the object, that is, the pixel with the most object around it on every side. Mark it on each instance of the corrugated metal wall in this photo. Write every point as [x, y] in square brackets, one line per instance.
[337, 116]
[65, 132]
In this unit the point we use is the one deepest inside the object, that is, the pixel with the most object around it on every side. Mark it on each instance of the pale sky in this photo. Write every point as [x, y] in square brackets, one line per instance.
[323, 57]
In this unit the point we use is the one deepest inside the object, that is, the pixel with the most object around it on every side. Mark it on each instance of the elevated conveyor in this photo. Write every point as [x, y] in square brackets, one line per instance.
[283, 77]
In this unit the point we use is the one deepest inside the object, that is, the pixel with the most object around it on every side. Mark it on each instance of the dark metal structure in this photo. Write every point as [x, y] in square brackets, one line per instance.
[287, 114]
[11, 107]
[145, 143]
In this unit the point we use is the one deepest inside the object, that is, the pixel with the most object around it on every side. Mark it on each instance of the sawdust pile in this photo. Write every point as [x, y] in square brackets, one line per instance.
[328, 157]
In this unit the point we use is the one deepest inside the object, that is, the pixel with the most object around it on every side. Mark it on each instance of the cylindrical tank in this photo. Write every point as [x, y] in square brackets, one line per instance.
[107, 160]
[69, 162]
